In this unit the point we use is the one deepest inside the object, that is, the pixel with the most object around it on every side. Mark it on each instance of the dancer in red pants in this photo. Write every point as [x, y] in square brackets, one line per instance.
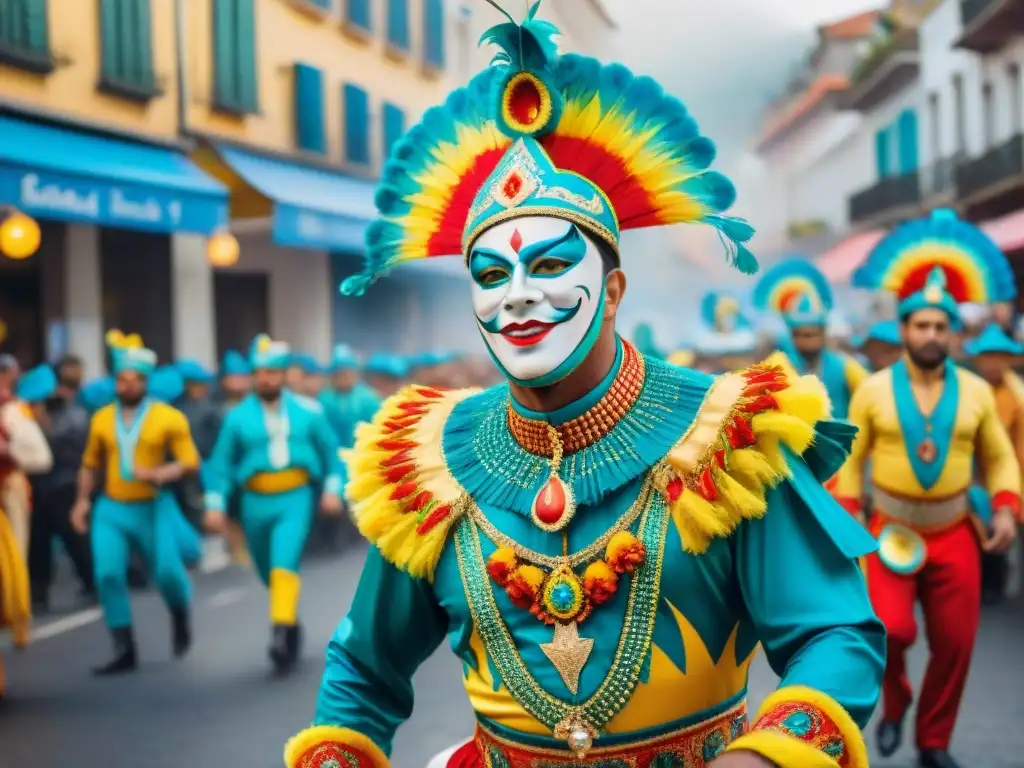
[924, 422]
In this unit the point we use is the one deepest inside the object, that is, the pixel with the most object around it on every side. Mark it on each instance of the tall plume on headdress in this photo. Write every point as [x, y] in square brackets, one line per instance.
[618, 133]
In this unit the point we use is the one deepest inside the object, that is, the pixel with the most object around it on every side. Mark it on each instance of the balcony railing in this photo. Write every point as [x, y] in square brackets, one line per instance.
[939, 178]
[988, 25]
[887, 195]
[998, 165]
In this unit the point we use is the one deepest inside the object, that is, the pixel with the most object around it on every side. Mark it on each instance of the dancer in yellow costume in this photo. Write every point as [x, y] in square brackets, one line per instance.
[925, 424]
[606, 538]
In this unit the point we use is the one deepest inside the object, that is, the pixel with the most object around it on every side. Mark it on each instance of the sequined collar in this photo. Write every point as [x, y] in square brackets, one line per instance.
[488, 462]
[586, 429]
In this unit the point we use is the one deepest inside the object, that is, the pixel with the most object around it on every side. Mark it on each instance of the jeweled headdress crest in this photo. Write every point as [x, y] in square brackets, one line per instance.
[539, 133]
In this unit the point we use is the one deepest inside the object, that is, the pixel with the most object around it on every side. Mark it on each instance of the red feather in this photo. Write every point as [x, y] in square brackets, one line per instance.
[956, 286]
[447, 238]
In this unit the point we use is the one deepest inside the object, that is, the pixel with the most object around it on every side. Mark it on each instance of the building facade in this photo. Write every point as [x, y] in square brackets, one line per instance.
[90, 148]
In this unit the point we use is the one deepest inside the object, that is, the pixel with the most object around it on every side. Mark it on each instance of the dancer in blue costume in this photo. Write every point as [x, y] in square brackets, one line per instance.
[129, 441]
[276, 447]
[801, 295]
[348, 402]
[235, 385]
[606, 538]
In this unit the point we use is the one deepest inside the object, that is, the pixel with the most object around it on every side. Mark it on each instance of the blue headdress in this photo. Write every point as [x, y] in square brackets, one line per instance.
[234, 364]
[193, 371]
[797, 290]
[343, 359]
[166, 384]
[382, 364]
[886, 332]
[992, 341]
[539, 133]
[723, 312]
[267, 353]
[940, 253]
[307, 363]
[37, 385]
[128, 354]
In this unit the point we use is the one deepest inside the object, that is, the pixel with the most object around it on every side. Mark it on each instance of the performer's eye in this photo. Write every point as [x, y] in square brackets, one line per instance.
[548, 267]
[491, 276]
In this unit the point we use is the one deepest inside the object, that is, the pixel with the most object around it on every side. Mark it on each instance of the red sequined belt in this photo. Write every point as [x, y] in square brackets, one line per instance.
[696, 745]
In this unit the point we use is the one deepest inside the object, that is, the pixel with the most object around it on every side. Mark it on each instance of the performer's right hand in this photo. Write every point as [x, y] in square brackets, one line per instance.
[80, 516]
[214, 521]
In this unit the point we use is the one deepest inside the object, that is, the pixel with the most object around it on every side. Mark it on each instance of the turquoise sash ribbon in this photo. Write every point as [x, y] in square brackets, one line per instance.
[914, 424]
[128, 437]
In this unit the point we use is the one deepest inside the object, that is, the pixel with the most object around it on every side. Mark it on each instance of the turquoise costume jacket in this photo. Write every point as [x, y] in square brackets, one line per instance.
[347, 410]
[739, 551]
[243, 448]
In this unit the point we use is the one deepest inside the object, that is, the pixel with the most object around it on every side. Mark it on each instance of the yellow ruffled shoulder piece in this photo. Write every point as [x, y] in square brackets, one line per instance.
[402, 495]
[323, 745]
[717, 475]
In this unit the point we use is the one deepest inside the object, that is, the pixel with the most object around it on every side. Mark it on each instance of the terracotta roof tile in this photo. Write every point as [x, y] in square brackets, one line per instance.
[802, 104]
[852, 27]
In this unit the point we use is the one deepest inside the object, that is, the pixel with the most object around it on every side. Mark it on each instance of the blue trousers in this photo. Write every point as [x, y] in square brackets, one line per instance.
[152, 529]
[276, 527]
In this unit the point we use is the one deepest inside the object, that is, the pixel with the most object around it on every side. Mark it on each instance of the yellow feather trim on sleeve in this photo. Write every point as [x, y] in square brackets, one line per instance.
[403, 498]
[717, 475]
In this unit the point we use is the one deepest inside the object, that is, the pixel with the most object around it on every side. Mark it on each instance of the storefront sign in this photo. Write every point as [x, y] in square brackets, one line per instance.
[301, 228]
[67, 198]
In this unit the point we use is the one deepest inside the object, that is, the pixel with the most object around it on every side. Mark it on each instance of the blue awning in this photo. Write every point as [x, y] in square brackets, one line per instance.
[313, 208]
[59, 173]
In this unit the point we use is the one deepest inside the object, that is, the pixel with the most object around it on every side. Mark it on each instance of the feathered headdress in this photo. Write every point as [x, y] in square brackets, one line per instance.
[723, 312]
[972, 266]
[116, 339]
[539, 133]
[797, 290]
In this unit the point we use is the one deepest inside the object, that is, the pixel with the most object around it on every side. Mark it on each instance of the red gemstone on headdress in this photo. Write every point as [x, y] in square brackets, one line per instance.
[516, 241]
[524, 102]
[513, 185]
[550, 503]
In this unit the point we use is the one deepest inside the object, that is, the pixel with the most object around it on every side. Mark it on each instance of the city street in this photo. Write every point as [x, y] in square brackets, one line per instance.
[221, 707]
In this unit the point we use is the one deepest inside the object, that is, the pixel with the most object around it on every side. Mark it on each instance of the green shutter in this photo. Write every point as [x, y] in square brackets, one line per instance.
[126, 39]
[433, 33]
[398, 24]
[394, 126]
[224, 81]
[358, 15]
[248, 83]
[357, 120]
[24, 34]
[309, 109]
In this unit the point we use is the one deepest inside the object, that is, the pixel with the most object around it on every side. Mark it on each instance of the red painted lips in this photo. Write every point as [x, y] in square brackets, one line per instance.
[526, 334]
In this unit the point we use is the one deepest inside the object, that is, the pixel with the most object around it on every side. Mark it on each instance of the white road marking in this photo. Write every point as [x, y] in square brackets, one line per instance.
[67, 624]
[227, 597]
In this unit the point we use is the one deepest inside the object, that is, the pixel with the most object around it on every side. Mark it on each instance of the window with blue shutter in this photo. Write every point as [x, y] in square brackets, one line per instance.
[882, 159]
[357, 124]
[126, 42]
[359, 15]
[398, 24]
[310, 133]
[24, 35]
[235, 83]
[394, 126]
[433, 33]
[906, 128]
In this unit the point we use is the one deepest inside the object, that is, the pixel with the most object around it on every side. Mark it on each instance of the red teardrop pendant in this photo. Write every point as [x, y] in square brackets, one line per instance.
[553, 506]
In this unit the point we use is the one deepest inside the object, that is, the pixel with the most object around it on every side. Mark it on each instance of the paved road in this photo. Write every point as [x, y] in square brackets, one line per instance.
[220, 707]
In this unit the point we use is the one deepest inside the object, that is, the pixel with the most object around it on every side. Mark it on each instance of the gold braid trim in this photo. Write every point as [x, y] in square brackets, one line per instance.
[403, 498]
[717, 475]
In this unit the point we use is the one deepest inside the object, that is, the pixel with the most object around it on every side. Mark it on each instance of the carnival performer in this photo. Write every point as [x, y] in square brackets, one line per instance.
[881, 345]
[275, 447]
[130, 441]
[729, 336]
[924, 423]
[606, 538]
[801, 295]
[348, 402]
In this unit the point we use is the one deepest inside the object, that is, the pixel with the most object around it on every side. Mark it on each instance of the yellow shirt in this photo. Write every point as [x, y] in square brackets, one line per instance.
[977, 431]
[164, 433]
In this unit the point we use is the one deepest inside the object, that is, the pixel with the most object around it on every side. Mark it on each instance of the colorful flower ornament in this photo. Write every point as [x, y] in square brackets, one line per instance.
[559, 595]
[543, 133]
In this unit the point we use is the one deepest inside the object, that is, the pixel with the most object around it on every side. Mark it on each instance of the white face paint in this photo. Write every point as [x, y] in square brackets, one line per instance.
[538, 294]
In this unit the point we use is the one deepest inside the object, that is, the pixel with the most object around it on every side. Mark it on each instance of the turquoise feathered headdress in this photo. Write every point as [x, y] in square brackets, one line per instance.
[797, 290]
[542, 133]
[974, 269]
[723, 312]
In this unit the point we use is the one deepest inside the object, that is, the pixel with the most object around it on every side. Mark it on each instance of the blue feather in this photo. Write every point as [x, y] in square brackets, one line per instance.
[715, 192]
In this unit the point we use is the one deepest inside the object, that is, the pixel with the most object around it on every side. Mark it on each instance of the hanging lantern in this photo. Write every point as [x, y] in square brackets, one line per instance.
[19, 235]
[222, 249]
